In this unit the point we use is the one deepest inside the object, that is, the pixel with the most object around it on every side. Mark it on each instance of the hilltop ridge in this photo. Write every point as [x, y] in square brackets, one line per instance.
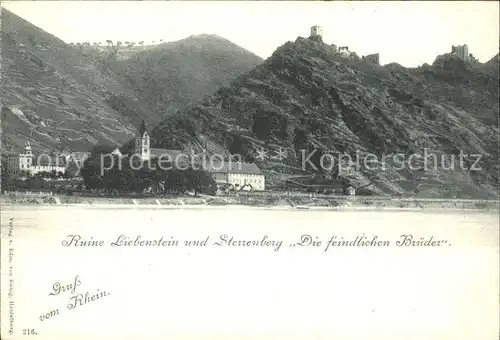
[173, 75]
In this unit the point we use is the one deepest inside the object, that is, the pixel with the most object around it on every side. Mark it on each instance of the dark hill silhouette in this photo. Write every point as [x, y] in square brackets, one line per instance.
[54, 95]
[173, 75]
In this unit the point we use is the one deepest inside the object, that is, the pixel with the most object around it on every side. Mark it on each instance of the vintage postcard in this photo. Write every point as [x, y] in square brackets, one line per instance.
[249, 170]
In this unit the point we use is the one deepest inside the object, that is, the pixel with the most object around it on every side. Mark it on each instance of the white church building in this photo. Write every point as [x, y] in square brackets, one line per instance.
[144, 151]
[238, 175]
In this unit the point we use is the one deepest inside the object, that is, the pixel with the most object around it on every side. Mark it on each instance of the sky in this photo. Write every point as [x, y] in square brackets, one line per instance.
[406, 32]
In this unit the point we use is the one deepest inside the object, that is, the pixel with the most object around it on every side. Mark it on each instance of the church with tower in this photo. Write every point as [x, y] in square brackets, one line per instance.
[239, 175]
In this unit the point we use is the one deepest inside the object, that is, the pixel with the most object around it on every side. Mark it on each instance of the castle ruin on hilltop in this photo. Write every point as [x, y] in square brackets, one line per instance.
[316, 31]
[461, 51]
[317, 35]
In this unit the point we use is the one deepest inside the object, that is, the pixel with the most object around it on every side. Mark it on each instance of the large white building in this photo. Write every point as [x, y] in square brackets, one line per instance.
[29, 163]
[239, 175]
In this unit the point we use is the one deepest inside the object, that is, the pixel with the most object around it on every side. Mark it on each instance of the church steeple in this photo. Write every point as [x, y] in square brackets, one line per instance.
[143, 128]
[142, 142]
[26, 159]
[27, 148]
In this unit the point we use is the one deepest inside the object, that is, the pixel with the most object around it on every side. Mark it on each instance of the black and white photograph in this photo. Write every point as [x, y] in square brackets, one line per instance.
[249, 170]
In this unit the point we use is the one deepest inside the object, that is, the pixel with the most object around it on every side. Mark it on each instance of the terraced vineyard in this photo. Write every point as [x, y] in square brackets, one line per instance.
[53, 95]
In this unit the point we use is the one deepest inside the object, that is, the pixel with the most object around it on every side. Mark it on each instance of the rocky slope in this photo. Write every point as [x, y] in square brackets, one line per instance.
[304, 97]
[53, 95]
[172, 75]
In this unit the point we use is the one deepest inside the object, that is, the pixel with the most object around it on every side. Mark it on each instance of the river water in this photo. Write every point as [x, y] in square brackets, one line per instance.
[250, 273]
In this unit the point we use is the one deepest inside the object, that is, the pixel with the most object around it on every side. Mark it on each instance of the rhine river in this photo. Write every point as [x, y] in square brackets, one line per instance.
[248, 273]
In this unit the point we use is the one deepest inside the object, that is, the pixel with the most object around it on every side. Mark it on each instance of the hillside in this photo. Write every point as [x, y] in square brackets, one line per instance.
[57, 95]
[172, 75]
[304, 97]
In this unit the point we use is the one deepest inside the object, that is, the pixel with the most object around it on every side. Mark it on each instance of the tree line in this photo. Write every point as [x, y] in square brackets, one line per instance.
[110, 43]
[111, 177]
[28, 181]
